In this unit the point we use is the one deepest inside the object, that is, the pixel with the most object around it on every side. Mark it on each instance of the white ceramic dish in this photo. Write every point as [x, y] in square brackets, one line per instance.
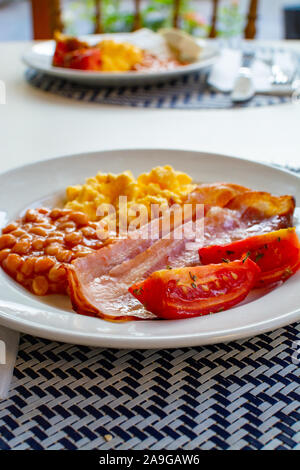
[51, 317]
[39, 57]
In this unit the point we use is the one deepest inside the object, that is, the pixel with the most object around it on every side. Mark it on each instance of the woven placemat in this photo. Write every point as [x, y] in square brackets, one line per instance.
[187, 92]
[241, 395]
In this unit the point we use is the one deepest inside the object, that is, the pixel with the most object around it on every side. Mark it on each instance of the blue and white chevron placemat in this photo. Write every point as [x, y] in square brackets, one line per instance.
[242, 395]
[187, 92]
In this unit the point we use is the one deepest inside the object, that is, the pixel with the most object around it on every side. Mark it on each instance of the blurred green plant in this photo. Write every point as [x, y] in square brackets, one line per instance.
[117, 16]
[230, 21]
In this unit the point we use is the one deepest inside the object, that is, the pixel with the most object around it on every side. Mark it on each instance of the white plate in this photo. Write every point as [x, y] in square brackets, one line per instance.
[53, 318]
[40, 56]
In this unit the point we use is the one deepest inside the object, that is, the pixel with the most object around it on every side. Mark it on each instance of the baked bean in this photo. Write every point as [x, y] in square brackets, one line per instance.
[53, 249]
[7, 241]
[3, 254]
[31, 215]
[94, 225]
[80, 254]
[20, 278]
[97, 245]
[68, 226]
[44, 224]
[43, 264]
[57, 233]
[40, 231]
[62, 220]
[64, 256]
[88, 242]
[13, 262]
[18, 232]
[43, 210]
[38, 244]
[74, 238]
[28, 266]
[57, 273]
[25, 236]
[51, 240]
[89, 232]
[65, 212]
[22, 247]
[10, 227]
[79, 218]
[55, 213]
[36, 249]
[82, 251]
[26, 227]
[40, 285]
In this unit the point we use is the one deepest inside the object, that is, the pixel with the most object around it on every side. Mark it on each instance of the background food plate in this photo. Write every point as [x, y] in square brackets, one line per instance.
[39, 57]
[52, 317]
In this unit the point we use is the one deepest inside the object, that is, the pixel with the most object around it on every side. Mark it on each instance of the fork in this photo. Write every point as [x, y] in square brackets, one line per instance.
[278, 77]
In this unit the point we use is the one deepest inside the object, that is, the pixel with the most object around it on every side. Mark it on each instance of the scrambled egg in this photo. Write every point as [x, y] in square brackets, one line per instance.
[162, 186]
[119, 57]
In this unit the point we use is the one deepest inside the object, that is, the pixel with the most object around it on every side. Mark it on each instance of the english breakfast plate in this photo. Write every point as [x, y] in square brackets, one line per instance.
[27, 188]
[40, 57]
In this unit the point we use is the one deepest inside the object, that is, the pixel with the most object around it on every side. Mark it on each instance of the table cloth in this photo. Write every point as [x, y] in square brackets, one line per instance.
[241, 395]
[35, 125]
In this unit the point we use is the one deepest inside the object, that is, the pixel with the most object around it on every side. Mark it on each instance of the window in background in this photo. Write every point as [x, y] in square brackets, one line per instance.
[118, 16]
[15, 16]
[15, 20]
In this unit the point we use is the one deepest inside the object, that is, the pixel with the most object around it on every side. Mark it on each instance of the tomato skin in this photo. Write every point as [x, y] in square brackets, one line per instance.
[73, 53]
[196, 291]
[61, 50]
[65, 45]
[276, 253]
[84, 59]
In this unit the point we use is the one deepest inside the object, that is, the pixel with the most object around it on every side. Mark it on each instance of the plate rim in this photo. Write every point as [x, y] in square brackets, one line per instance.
[274, 167]
[197, 339]
[173, 342]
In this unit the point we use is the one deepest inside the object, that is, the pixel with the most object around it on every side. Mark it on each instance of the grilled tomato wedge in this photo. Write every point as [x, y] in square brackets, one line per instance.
[196, 291]
[276, 253]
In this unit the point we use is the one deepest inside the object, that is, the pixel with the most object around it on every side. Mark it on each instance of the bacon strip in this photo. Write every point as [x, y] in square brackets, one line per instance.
[99, 282]
[215, 194]
[261, 205]
[107, 295]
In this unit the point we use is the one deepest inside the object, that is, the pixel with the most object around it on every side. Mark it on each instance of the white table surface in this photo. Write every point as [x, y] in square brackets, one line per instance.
[35, 125]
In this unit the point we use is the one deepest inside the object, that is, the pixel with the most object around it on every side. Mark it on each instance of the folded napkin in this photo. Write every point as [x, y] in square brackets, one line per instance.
[150, 41]
[224, 73]
[9, 342]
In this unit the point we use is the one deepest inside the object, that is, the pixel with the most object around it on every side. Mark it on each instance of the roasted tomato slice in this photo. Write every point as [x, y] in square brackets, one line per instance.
[84, 59]
[65, 44]
[196, 291]
[61, 50]
[276, 253]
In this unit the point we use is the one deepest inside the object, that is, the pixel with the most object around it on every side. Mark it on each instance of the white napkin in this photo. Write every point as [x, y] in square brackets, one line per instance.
[224, 73]
[9, 343]
[151, 42]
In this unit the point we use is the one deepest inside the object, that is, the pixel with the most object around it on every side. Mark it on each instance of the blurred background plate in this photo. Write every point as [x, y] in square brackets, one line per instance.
[40, 55]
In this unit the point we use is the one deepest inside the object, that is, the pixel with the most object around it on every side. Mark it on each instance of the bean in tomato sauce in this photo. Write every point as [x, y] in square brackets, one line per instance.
[35, 249]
